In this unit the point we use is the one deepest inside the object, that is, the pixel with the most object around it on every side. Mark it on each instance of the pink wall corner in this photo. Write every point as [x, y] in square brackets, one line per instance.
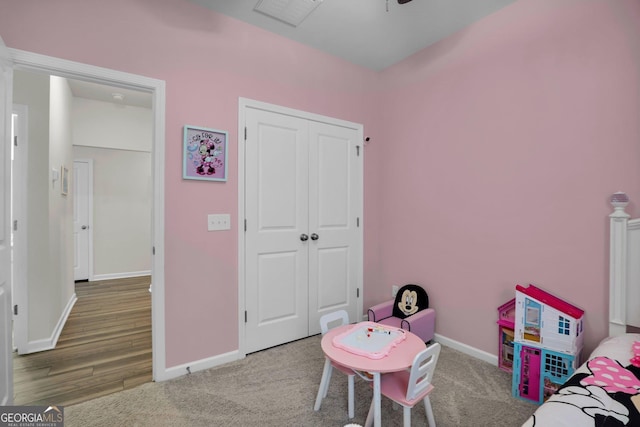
[208, 61]
[507, 140]
[376, 289]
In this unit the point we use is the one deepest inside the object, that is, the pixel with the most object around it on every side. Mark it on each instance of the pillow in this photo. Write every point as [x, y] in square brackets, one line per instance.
[410, 299]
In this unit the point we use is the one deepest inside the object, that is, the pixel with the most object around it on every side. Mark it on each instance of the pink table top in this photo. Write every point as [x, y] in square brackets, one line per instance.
[399, 358]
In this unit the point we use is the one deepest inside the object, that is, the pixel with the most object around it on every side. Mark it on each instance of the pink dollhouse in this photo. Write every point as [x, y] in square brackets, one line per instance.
[548, 339]
[506, 322]
[546, 321]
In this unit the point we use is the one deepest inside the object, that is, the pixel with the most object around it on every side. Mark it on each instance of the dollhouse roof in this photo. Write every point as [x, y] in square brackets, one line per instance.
[548, 299]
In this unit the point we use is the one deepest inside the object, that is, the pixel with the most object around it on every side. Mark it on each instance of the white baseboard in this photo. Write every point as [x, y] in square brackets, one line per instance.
[198, 365]
[467, 349]
[111, 276]
[50, 343]
[232, 356]
[457, 345]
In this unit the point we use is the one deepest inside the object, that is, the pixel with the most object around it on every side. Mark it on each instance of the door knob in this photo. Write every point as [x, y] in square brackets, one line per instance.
[314, 236]
[84, 227]
[304, 237]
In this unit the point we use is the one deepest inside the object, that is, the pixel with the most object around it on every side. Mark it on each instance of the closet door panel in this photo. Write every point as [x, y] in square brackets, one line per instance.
[333, 183]
[333, 274]
[334, 201]
[277, 215]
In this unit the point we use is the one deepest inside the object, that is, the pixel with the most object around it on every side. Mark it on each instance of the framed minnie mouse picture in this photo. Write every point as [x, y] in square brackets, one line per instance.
[204, 154]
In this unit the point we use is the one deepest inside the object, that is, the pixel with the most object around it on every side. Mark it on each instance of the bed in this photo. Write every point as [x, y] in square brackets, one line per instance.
[605, 390]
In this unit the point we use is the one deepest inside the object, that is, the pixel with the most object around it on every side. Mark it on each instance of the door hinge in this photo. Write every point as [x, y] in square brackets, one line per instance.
[245, 225]
[245, 316]
[245, 133]
[153, 250]
[15, 140]
[15, 310]
[357, 292]
[358, 222]
[358, 150]
[15, 225]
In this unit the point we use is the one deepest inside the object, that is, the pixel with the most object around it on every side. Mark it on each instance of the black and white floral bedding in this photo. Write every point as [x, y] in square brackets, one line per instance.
[603, 392]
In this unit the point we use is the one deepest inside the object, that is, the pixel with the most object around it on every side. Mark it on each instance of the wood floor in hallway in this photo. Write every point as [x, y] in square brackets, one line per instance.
[105, 347]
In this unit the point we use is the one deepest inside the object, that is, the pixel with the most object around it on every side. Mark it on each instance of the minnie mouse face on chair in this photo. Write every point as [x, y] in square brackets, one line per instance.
[409, 300]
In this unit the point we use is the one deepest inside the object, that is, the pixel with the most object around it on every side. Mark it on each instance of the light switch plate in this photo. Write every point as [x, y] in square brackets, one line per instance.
[218, 222]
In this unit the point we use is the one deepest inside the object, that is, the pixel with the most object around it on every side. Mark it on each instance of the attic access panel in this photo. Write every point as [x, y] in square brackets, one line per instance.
[291, 12]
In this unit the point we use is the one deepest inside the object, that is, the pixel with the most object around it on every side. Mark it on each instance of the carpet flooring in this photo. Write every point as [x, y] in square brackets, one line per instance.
[277, 387]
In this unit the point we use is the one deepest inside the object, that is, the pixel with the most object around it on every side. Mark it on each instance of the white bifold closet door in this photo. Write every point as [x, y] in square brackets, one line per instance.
[303, 239]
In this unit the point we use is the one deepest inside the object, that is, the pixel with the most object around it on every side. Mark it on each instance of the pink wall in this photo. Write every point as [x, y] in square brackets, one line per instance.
[207, 61]
[491, 159]
[504, 143]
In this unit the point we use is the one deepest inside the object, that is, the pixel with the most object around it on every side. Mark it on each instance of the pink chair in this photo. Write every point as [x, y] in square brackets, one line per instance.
[337, 318]
[409, 311]
[407, 388]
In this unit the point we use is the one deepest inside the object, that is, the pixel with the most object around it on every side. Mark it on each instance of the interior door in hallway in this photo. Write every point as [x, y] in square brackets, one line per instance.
[81, 219]
[302, 243]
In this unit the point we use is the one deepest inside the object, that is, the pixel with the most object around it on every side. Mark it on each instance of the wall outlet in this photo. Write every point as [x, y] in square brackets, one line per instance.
[218, 222]
[394, 290]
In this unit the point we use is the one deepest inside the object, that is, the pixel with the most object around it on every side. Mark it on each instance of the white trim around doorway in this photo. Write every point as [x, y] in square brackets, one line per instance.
[69, 69]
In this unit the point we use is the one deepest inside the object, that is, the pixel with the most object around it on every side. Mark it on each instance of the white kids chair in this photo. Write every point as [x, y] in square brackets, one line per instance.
[336, 318]
[407, 388]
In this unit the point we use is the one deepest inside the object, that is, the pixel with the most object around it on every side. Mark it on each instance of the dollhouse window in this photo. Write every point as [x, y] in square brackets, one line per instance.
[556, 365]
[564, 326]
[532, 313]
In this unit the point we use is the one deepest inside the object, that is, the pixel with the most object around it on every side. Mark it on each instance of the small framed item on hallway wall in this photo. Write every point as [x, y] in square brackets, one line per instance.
[64, 182]
[204, 154]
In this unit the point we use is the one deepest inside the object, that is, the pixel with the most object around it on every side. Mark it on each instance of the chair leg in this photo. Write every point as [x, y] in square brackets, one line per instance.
[406, 416]
[351, 396]
[429, 410]
[369, 420]
[324, 384]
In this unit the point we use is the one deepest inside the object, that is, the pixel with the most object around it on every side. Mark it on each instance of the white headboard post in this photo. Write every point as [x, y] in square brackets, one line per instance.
[618, 265]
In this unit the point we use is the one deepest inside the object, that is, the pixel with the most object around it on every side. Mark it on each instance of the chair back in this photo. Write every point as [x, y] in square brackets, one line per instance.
[409, 300]
[333, 319]
[424, 365]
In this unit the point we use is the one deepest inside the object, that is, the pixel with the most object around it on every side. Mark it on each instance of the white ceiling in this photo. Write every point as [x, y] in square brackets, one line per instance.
[362, 31]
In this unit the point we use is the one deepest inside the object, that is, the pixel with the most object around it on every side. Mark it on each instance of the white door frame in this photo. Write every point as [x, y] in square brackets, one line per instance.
[6, 109]
[243, 104]
[75, 70]
[89, 201]
[19, 213]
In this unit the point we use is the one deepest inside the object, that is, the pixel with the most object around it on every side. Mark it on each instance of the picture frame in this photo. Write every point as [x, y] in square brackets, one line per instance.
[204, 154]
[64, 180]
